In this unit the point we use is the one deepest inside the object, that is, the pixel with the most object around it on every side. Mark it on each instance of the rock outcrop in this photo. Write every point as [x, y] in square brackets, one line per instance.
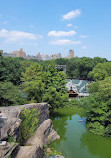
[34, 145]
[12, 113]
[9, 149]
[44, 134]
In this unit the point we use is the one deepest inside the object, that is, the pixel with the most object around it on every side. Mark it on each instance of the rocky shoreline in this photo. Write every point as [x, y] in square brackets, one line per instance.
[44, 133]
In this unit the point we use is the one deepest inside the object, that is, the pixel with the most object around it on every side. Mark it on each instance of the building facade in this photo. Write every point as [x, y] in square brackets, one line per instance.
[19, 53]
[71, 54]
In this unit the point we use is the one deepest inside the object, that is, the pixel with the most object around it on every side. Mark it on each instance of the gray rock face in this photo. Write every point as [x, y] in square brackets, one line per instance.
[12, 113]
[34, 145]
[44, 134]
[8, 149]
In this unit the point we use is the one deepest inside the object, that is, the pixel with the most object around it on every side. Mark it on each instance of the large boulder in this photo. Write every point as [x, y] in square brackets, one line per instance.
[12, 113]
[35, 144]
[10, 149]
[44, 133]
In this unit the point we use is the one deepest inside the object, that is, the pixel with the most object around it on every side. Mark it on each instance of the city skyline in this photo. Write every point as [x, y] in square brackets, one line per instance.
[57, 26]
[38, 56]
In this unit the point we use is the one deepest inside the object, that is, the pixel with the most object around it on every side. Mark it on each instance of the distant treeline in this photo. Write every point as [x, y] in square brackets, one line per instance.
[76, 68]
[79, 68]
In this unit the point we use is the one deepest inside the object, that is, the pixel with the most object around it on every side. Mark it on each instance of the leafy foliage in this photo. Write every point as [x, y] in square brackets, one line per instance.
[10, 94]
[101, 71]
[55, 92]
[80, 67]
[10, 138]
[28, 125]
[10, 70]
[96, 128]
[33, 85]
[98, 107]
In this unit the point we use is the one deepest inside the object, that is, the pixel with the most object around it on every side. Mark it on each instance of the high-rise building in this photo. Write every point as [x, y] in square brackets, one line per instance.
[71, 54]
[19, 53]
[59, 55]
[38, 56]
[56, 56]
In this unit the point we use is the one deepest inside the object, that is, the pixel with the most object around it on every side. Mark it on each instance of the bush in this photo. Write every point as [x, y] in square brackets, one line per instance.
[10, 138]
[28, 125]
[96, 128]
[10, 94]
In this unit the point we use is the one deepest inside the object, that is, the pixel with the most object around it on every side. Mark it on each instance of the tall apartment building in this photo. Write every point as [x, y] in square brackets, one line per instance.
[38, 56]
[71, 54]
[56, 56]
[19, 53]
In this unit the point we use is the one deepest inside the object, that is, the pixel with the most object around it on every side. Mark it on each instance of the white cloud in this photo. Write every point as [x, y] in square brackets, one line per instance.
[69, 25]
[64, 42]
[83, 36]
[16, 35]
[84, 47]
[71, 15]
[61, 33]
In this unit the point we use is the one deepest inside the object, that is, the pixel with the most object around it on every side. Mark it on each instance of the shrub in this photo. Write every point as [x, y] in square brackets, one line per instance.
[28, 125]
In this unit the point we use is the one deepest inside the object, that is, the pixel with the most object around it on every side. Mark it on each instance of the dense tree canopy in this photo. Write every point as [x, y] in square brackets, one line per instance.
[33, 85]
[40, 81]
[79, 68]
[10, 94]
[45, 85]
[101, 71]
[55, 90]
[98, 107]
[10, 70]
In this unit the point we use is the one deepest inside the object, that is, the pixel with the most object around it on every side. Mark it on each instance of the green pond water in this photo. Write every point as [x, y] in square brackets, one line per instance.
[76, 141]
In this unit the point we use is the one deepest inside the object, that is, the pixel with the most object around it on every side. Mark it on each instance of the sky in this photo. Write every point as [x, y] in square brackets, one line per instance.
[56, 26]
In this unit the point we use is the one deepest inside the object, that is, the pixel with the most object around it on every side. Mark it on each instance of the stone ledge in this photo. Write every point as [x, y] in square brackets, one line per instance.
[12, 113]
[35, 144]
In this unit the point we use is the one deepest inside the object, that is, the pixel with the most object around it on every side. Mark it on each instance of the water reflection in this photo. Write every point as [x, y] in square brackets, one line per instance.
[60, 126]
[76, 141]
[97, 145]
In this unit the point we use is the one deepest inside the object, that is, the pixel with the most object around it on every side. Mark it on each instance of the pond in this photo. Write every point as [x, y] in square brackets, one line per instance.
[76, 141]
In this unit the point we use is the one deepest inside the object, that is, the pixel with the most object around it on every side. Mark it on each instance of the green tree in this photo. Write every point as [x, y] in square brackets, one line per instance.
[72, 68]
[61, 61]
[98, 107]
[80, 67]
[10, 70]
[102, 89]
[10, 94]
[32, 84]
[55, 90]
[101, 71]
[28, 125]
